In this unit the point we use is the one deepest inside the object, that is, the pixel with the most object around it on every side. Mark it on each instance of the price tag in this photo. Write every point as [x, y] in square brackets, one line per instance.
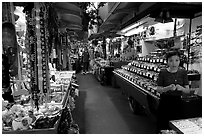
[148, 88]
[165, 62]
[155, 78]
[158, 94]
[161, 60]
[140, 83]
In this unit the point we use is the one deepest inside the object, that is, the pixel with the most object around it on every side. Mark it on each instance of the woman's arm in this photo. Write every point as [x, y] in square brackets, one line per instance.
[161, 89]
[184, 89]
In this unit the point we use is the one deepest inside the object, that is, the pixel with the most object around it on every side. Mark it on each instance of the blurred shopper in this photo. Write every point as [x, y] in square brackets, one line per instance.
[9, 59]
[85, 60]
[91, 53]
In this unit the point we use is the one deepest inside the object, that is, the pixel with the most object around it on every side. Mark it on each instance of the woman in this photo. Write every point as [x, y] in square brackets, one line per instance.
[172, 83]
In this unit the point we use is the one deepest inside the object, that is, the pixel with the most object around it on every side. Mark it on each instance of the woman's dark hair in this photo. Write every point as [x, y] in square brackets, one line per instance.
[172, 53]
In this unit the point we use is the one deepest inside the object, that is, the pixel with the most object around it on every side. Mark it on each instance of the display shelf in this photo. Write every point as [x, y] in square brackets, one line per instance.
[64, 103]
[187, 126]
[140, 85]
[52, 130]
[152, 60]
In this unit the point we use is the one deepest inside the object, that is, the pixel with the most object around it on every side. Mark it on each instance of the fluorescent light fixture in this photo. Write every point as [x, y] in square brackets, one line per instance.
[135, 31]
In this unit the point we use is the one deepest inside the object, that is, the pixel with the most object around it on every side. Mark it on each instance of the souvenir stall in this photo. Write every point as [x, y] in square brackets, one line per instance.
[137, 80]
[45, 105]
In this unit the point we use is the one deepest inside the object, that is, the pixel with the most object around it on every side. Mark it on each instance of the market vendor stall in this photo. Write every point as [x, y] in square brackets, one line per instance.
[51, 116]
[103, 71]
[43, 97]
[137, 81]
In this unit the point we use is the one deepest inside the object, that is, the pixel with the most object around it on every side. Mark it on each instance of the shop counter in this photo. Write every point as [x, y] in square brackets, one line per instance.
[148, 100]
[191, 104]
[187, 126]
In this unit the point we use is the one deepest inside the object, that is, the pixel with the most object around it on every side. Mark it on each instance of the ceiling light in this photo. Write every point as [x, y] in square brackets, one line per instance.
[164, 17]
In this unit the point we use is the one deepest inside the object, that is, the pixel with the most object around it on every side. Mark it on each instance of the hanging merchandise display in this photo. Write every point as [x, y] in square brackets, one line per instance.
[46, 108]
[31, 36]
[44, 48]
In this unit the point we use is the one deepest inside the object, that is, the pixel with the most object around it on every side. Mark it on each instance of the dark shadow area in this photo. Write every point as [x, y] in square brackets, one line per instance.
[78, 113]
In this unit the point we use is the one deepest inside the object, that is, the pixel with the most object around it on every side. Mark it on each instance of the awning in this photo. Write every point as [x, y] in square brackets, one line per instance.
[140, 10]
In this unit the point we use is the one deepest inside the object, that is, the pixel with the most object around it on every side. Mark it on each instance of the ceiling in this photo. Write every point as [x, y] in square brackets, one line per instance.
[117, 19]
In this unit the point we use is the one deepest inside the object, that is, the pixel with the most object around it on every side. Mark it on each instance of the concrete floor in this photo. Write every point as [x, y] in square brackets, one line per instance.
[104, 110]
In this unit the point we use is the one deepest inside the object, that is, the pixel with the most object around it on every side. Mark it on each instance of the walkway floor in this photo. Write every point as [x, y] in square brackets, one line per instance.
[104, 110]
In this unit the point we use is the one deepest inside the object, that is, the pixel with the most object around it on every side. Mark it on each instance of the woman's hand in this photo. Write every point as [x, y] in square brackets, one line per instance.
[172, 87]
[181, 88]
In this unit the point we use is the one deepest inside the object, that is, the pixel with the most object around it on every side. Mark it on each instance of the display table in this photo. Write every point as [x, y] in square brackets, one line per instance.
[187, 126]
[118, 64]
[53, 130]
[52, 117]
[103, 72]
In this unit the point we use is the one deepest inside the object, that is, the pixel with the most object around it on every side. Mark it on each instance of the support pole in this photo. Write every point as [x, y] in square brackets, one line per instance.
[175, 27]
[189, 43]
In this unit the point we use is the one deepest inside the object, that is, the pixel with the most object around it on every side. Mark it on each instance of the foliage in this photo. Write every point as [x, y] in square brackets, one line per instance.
[90, 14]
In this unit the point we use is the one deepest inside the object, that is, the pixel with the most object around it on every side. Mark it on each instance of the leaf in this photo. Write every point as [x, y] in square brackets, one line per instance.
[101, 4]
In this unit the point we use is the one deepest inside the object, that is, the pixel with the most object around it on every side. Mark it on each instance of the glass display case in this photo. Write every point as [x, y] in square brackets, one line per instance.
[137, 81]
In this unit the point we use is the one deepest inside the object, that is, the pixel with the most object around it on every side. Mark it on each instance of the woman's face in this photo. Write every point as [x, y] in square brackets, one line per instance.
[173, 62]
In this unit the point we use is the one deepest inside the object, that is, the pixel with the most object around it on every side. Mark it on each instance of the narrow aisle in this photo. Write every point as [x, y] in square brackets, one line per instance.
[104, 110]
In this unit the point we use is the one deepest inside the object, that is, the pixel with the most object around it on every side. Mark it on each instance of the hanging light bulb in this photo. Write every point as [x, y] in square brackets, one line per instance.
[160, 17]
[168, 18]
[164, 17]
